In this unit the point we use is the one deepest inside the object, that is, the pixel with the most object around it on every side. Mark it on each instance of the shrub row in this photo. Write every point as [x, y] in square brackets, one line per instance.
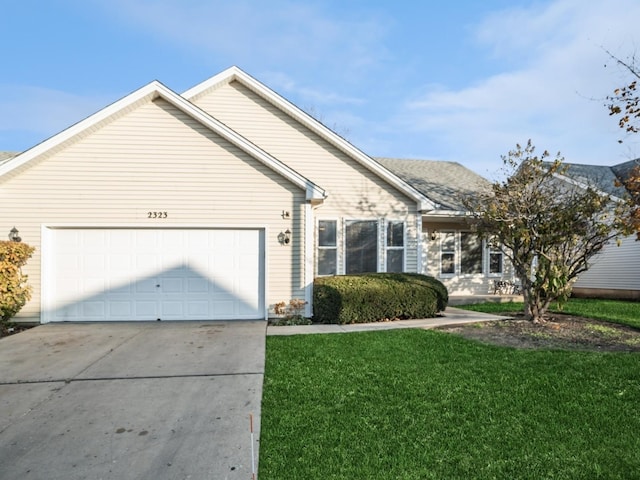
[377, 297]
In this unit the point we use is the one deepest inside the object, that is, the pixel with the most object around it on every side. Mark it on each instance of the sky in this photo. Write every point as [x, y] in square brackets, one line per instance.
[460, 81]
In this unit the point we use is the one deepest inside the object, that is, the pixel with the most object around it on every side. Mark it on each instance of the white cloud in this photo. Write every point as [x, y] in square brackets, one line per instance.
[269, 36]
[285, 85]
[551, 89]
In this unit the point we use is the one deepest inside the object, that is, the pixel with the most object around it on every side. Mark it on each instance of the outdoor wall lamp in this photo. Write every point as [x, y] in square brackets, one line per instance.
[434, 235]
[284, 237]
[14, 235]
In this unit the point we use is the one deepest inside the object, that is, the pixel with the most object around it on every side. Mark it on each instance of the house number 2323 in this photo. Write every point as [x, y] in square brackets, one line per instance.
[157, 215]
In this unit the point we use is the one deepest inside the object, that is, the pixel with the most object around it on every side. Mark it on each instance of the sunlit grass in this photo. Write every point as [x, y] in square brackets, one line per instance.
[414, 404]
[618, 311]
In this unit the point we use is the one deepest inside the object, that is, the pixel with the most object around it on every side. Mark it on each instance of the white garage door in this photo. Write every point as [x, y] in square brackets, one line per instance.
[153, 274]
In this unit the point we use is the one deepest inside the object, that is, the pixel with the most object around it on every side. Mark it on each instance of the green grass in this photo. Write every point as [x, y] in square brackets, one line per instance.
[618, 311]
[415, 404]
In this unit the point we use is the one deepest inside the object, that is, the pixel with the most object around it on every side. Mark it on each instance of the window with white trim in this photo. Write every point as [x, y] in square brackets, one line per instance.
[327, 247]
[496, 258]
[471, 253]
[361, 246]
[395, 246]
[447, 253]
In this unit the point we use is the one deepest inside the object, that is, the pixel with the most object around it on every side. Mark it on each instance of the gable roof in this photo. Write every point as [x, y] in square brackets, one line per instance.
[444, 183]
[148, 93]
[601, 176]
[5, 156]
[236, 74]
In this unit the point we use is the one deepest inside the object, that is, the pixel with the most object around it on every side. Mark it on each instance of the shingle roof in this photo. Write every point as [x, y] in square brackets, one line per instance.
[445, 183]
[604, 177]
[4, 156]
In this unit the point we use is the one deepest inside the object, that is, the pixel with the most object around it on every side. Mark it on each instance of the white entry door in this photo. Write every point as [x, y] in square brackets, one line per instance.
[154, 274]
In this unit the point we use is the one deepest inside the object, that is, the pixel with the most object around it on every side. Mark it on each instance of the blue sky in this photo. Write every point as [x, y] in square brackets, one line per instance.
[462, 81]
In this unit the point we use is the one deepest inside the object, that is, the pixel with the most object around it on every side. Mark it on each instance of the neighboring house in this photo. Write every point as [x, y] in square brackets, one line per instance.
[218, 204]
[5, 156]
[615, 271]
[452, 252]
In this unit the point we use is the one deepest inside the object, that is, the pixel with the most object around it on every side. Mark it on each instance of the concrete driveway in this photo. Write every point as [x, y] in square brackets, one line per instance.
[131, 400]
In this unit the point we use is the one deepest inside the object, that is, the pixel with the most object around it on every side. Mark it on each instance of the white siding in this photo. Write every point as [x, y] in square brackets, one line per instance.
[354, 192]
[155, 158]
[614, 268]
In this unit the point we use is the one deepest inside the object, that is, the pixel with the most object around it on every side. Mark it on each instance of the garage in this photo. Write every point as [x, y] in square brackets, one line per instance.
[137, 274]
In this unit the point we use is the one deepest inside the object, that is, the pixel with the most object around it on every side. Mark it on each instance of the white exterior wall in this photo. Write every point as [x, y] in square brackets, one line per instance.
[354, 192]
[155, 158]
[614, 268]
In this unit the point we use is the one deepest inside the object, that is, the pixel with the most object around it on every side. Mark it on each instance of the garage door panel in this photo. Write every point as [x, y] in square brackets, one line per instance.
[197, 285]
[93, 310]
[120, 309]
[198, 308]
[149, 274]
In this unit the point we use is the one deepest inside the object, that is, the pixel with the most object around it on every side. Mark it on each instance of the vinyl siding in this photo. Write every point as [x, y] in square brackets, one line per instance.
[354, 192]
[614, 268]
[156, 158]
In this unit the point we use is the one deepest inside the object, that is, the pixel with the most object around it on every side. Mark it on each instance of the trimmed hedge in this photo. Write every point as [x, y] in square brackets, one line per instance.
[377, 297]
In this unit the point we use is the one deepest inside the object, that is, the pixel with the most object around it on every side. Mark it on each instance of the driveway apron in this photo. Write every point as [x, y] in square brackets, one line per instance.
[131, 400]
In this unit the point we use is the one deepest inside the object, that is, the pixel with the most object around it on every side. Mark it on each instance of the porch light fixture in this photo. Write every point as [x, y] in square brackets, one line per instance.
[14, 235]
[434, 235]
[284, 237]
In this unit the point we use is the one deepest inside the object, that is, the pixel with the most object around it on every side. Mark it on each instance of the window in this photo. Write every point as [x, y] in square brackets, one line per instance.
[327, 247]
[361, 246]
[495, 258]
[470, 253]
[395, 246]
[448, 253]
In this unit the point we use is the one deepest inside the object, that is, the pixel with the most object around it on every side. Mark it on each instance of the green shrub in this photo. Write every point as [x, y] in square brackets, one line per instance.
[377, 297]
[14, 291]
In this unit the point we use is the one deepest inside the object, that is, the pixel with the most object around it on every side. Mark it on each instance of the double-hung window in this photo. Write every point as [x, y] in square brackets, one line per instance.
[327, 247]
[395, 246]
[495, 258]
[447, 253]
[361, 246]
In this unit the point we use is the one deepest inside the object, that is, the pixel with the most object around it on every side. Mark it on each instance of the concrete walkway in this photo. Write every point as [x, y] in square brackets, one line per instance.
[451, 316]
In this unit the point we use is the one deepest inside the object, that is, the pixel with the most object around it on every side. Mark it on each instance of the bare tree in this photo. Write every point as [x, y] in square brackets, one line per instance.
[549, 228]
[625, 105]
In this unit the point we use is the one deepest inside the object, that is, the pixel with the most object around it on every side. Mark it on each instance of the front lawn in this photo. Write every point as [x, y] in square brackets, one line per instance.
[618, 311]
[415, 404]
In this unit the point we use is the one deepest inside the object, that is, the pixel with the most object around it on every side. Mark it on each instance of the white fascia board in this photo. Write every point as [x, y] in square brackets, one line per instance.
[152, 91]
[235, 73]
[61, 138]
[584, 186]
[225, 76]
[446, 214]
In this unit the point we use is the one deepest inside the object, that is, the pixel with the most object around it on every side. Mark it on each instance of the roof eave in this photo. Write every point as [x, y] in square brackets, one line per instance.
[60, 139]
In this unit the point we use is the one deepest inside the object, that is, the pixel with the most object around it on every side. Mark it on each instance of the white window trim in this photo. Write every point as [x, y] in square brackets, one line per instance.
[318, 247]
[456, 267]
[489, 250]
[386, 247]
